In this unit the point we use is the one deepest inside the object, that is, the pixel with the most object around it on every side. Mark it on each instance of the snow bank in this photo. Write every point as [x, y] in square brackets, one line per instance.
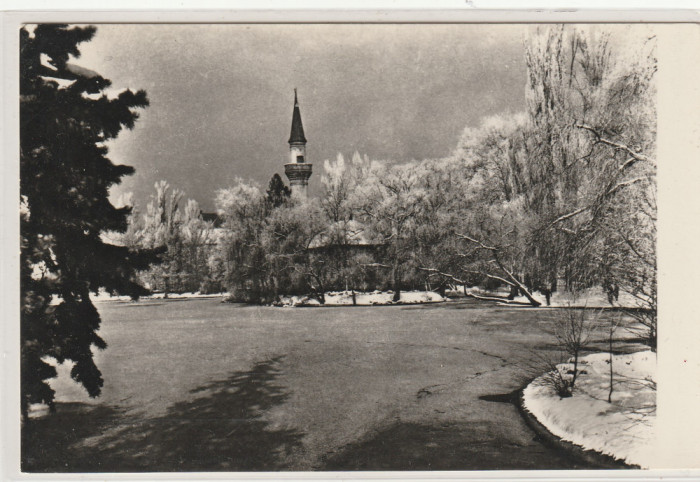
[333, 298]
[624, 428]
[344, 298]
[589, 298]
[298, 301]
[104, 296]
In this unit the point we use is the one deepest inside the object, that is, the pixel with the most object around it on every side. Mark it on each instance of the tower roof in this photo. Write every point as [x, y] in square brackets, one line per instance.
[297, 134]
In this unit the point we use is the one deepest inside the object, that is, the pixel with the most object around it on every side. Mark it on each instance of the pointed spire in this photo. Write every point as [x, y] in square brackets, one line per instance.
[297, 134]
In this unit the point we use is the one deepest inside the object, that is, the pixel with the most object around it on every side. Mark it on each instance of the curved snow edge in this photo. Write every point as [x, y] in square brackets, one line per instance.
[592, 457]
[625, 428]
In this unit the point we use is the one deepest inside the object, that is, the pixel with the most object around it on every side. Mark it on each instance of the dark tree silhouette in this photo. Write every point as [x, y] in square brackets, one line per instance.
[65, 176]
[277, 192]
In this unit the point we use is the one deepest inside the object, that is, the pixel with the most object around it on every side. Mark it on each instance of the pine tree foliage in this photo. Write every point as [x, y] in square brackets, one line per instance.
[277, 192]
[65, 175]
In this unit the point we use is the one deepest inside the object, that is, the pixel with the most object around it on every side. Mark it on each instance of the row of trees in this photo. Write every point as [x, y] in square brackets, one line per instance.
[189, 241]
[560, 197]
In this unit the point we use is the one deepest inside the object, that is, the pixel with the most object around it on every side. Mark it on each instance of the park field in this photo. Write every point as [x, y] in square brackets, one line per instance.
[200, 385]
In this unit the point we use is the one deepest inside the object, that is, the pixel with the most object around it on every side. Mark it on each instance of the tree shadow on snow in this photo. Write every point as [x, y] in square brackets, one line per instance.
[47, 442]
[447, 446]
[222, 429]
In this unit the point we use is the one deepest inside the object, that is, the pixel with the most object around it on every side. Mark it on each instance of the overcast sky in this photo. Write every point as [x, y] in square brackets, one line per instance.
[222, 95]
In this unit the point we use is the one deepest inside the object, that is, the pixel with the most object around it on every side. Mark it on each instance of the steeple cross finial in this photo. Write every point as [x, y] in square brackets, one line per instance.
[296, 102]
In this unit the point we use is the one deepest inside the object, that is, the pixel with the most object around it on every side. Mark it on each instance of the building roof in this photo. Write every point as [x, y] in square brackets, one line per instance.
[349, 233]
[297, 134]
[216, 220]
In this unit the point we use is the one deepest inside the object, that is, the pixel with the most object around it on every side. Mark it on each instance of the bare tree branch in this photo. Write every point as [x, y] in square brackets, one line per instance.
[514, 281]
[498, 278]
[446, 275]
[616, 145]
[479, 243]
[608, 193]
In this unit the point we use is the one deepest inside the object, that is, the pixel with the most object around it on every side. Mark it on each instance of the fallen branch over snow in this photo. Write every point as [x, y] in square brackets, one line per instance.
[498, 299]
[472, 295]
[513, 279]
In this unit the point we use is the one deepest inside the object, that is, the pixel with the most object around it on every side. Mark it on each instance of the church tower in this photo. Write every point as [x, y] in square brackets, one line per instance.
[298, 171]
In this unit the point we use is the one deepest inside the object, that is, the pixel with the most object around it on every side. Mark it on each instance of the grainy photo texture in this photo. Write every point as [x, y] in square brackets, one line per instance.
[323, 247]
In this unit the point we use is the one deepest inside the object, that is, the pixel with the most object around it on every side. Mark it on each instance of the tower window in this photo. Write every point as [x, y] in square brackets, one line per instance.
[300, 159]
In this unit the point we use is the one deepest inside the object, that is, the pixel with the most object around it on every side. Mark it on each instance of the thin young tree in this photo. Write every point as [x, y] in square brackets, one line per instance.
[573, 330]
[613, 325]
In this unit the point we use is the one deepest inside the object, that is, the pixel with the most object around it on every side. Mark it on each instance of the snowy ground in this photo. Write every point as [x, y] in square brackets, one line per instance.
[359, 388]
[344, 298]
[104, 296]
[333, 298]
[589, 298]
[624, 428]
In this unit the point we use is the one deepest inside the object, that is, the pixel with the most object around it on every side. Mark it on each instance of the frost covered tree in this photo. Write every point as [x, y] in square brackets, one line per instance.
[287, 236]
[565, 191]
[390, 200]
[345, 187]
[595, 99]
[265, 249]
[592, 107]
[162, 218]
[66, 117]
[197, 245]
[495, 231]
[161, 228]
[186, 237]
[243, 206]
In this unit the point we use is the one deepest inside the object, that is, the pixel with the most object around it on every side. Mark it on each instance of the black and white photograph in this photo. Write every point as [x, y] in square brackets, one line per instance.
[323, 247]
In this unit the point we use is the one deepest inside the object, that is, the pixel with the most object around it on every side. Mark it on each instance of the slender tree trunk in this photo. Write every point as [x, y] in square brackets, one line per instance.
[513, 292]
[396, 281]
[610, 349]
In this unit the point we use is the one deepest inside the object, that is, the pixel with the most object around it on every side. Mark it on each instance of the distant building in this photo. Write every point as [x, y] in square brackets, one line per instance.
[213, 218]
[298, 171]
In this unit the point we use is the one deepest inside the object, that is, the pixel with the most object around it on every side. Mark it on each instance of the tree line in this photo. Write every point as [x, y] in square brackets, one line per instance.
[559, 197]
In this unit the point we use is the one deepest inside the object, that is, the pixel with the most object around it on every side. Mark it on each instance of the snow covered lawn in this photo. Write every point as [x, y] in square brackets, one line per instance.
[104, 296]
[333, 298]
[344, 298]
[589, 298]
[624, 428]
